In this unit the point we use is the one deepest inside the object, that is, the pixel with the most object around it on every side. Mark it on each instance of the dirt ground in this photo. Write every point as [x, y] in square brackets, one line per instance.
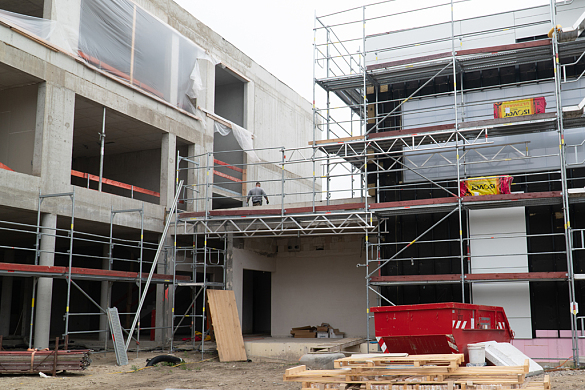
[195, 374]
[103, 373]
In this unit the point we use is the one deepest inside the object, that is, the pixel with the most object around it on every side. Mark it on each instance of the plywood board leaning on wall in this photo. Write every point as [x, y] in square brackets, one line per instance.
[226, 325]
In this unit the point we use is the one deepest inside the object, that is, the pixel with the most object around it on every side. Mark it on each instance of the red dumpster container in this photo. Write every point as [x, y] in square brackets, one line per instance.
[441, 328]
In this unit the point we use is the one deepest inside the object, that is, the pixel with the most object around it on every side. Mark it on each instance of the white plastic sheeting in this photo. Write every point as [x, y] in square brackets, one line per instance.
[120, 38]
[243, 137]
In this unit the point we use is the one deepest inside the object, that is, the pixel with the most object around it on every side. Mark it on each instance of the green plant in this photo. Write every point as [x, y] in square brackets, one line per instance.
[134, 368]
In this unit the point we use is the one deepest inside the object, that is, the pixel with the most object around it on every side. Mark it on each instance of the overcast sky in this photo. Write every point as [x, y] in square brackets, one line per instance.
[278, 34]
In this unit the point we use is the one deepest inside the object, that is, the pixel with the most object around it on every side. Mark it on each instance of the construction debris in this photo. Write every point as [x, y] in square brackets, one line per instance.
[416, 372]
[505, 354]
[323, 331]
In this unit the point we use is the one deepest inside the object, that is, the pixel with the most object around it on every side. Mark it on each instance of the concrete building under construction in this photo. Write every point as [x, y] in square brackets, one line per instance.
[442, 162]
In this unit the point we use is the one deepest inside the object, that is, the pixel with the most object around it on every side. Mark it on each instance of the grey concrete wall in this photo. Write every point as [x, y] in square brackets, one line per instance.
[140, 169]
[18, 108]
[314, 286]
[317, 283]
[229, 102]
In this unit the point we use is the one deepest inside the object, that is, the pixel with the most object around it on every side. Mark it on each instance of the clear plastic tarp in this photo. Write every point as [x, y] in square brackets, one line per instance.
[120, 38]
[242, 136]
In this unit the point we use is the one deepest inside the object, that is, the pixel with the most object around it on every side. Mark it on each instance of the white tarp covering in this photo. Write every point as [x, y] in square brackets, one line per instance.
[243, 137]
[119, 37]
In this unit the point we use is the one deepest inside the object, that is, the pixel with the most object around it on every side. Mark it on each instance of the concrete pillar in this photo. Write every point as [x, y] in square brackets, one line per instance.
[43, 303]
[54, 137]
[67, 13]
[168, 153]
[192, 174]
[174, 81]
[105, 292]
[229, 261]
[207, 96]
[164, 299]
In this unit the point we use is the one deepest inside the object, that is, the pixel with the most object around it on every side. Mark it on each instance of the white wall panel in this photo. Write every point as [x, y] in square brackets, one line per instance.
[498, 244]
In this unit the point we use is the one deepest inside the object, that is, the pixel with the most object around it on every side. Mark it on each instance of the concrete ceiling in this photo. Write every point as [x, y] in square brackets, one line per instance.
[25, 7]
[11, 78]
[123, 134]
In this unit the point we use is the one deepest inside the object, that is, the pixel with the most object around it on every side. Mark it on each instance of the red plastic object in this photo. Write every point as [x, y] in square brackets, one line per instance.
[439, 328]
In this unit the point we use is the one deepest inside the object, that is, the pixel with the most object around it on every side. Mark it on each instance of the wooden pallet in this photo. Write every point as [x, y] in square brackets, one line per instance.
[417, 372]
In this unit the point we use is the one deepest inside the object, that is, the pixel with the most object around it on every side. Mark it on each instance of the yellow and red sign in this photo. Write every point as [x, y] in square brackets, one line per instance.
[521, 107]
[490, 185]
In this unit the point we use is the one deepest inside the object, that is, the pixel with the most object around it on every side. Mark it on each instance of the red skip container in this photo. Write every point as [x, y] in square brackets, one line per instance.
[440, 328]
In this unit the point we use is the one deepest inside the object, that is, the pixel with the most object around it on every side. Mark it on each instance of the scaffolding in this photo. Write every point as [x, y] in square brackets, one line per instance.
[410, 159]
[411, 143]
[110, 268]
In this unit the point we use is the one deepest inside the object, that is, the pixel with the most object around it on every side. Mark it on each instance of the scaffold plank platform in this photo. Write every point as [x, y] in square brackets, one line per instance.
[469, 278]
[46, 271]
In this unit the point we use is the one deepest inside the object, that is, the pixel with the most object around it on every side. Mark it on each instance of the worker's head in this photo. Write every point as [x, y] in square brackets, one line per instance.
[257, 184]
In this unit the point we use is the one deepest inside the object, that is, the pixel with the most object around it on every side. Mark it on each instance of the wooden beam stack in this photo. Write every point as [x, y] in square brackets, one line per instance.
[416, 372]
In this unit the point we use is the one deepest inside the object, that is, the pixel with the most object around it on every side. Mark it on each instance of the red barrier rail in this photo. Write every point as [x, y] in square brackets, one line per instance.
[237, 169]
[226, 176]
[2, 166]
[114, 183]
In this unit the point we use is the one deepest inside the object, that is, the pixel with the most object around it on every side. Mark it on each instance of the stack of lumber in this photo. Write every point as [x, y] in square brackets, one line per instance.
[416, 372]
[21, 362]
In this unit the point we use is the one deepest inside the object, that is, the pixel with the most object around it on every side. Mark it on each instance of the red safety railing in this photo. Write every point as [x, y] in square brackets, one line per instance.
[225, 175]
[2, 166]
[114, 183]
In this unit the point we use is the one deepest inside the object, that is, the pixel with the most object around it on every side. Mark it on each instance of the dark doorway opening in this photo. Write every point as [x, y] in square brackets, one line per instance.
[256, 302]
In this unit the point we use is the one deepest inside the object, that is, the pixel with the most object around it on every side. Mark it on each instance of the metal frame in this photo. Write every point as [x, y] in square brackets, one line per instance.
[351, 85]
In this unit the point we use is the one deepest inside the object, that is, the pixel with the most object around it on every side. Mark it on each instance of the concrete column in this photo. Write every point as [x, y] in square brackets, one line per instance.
[54, 137]
[168, 153]
[5, 305]
[67, 13]
[105, 292]
[207, 96]
[249, 120]
[229, 262]
[164, 299]
[192, 180]
[207, 101]
[43, 303]
[174, 81]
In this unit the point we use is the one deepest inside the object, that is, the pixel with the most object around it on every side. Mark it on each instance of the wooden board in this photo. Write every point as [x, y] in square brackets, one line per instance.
[226, 325]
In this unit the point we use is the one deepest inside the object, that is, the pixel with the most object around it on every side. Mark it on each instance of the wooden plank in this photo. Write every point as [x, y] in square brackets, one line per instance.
[338, 140]
[226, 325]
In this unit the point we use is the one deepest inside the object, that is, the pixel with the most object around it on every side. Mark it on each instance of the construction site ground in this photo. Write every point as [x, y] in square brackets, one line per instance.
[195, 373]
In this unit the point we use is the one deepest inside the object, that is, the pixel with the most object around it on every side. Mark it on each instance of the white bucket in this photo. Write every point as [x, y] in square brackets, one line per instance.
[476, 353]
